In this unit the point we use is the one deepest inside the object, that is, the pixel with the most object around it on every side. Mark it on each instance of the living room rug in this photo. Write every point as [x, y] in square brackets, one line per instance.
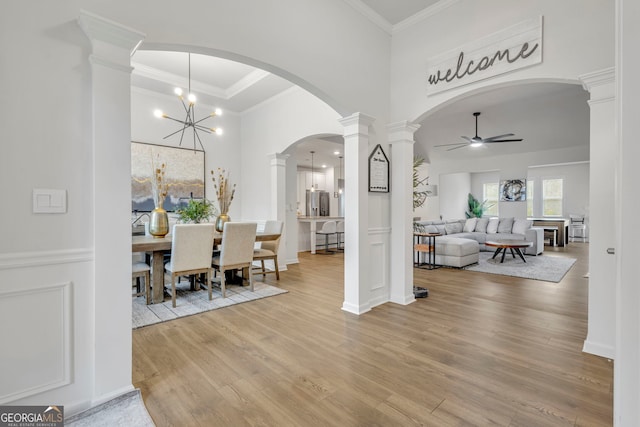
[546, 268]
[193, 302]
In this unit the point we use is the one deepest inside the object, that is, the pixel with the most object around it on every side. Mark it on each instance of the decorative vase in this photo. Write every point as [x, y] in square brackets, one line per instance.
[220, 220]
[159, 223]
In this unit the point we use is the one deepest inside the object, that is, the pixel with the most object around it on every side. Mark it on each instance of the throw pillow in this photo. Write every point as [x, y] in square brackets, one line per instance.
[430, 229]
[470, 225]
[492, 227]
[481, 225]
[520, 226]
[453, 228]
[440, 228]
[505, 225]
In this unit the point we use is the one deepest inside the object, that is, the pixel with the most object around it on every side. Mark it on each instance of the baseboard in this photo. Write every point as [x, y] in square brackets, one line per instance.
[355, 309]
[403, 299]
[601, 350]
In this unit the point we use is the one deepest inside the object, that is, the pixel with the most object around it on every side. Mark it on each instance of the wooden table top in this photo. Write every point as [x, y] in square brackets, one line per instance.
[508, 243]
[150, 243]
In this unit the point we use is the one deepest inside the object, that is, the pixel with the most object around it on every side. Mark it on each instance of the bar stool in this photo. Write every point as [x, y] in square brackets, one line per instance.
[339, 235]
[328, 229]
[576, 223]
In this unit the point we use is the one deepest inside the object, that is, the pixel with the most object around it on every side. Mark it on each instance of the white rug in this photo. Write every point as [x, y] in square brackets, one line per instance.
[125, 410]
[546, 268]
[192, 302]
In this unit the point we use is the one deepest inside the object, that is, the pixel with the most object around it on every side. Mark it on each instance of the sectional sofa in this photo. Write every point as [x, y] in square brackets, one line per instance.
[462, 239]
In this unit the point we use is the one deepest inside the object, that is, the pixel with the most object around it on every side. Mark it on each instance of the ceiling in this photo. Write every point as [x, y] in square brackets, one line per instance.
[528, 111]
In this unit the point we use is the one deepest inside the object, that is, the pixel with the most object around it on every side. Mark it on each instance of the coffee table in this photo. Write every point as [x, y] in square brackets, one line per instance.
[502, 245]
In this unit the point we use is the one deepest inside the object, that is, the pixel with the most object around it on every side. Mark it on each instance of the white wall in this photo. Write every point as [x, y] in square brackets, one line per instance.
[452, 193]
[571, 46]
[54, 150]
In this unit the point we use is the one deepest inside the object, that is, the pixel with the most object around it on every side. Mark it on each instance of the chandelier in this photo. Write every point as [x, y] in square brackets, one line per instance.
[190, 121]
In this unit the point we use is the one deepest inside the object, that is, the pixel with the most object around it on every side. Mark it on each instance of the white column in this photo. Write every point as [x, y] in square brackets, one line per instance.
[626, 387]
[279, 200]
[112, 45]
[356, 152]
[401, 140]
[602, 232]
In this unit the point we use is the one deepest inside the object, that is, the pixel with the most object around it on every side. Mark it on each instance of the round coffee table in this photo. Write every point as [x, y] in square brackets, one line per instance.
[502, 245]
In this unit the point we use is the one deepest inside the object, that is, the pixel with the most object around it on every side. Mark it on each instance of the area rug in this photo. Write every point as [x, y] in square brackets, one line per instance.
[125, 410]
[193, 302]
[546, 268]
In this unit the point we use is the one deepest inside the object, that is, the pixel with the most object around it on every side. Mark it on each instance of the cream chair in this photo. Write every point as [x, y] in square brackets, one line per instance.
[141, 270]
[236, 251]
[329, 228]
[191, 248]
[269, 249]
[577, 224]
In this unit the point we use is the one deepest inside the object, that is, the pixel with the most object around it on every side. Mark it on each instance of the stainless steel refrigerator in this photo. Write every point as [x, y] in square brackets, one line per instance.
[317, 203]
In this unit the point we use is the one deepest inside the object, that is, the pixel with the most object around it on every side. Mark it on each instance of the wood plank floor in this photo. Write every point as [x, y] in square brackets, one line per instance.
[481, 350]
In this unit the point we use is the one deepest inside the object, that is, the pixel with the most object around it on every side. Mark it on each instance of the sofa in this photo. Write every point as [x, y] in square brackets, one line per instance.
[453, 247]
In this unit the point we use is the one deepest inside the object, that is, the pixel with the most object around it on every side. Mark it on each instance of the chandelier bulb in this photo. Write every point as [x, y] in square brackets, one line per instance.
[217, 112]
[158, 113]
[192, 98]
[218, 131]
[178, 91]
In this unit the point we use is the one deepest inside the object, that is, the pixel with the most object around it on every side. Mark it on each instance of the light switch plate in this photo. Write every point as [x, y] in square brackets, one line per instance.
[49, 200]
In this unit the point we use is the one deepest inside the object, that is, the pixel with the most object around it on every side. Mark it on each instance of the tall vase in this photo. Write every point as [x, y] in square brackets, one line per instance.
[159, 223]
[220, 220]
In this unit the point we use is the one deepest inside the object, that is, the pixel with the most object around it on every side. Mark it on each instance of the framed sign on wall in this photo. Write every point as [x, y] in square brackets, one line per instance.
[378, 171]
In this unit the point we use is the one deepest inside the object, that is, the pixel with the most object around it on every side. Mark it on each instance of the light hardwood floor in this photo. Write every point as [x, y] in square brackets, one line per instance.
[480, 350]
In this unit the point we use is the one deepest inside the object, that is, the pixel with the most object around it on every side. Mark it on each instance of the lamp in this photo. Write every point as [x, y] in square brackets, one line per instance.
[312, 186]
[190, 119]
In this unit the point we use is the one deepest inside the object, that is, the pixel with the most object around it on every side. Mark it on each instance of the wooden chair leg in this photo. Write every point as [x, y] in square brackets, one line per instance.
[264, 272]
[222, 284]
[173, 290]
[250, 280]
[275, 263]
[147, 286]
[208, 275]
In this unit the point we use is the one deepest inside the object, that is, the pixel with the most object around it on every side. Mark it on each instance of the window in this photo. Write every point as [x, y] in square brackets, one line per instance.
[552, 197]
[530, 193]
[490, 193]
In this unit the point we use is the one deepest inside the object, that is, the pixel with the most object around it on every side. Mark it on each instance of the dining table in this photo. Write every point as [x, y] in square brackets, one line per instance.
[158, 246]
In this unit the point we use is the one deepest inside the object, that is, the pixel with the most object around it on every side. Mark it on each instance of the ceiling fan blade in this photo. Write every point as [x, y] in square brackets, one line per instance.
[466, 138]
[460, 146]
[503, 140]
[449, 145]
[493, 138]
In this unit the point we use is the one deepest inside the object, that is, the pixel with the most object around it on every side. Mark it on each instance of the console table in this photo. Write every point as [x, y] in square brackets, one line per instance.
[562, 225]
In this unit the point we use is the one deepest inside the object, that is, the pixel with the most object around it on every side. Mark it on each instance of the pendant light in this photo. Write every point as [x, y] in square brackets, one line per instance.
[340, 188]
[313, 188]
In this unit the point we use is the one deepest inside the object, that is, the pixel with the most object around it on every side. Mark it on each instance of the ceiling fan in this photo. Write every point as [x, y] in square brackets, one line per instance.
[477, 141]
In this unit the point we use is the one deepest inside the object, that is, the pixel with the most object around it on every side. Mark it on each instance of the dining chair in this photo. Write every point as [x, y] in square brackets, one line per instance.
[141, 270]
[236, 251]
[328, 229]
[191, 248]
[269, 248]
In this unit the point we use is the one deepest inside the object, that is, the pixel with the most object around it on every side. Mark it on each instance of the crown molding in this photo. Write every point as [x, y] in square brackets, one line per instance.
[422, 15]
[246, 82]
[371, 14]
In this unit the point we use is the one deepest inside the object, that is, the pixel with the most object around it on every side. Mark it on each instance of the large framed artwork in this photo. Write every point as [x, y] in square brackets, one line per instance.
[184, 174]
[513, 190]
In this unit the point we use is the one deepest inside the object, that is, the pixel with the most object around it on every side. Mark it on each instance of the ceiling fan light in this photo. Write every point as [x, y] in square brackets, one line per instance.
[476, 144]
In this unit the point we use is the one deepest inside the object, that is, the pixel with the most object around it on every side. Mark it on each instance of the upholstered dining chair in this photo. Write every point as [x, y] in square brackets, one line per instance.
[269, 248]
[191, 248]
[577, 224]
[236, 251]
[328, 229]
[141, 270]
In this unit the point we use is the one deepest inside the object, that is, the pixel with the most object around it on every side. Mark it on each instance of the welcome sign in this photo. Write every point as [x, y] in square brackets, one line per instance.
[513, 48]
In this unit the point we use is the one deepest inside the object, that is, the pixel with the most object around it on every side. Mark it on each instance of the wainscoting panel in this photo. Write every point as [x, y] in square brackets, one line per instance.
[36, 340]
[379, 265]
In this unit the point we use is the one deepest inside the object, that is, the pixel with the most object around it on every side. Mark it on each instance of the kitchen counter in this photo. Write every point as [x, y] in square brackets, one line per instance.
[313, 221]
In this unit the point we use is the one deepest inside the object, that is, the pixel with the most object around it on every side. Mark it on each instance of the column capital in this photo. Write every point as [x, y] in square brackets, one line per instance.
[356, 123]
[401, 131]
[600, 85]
[278, 159]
